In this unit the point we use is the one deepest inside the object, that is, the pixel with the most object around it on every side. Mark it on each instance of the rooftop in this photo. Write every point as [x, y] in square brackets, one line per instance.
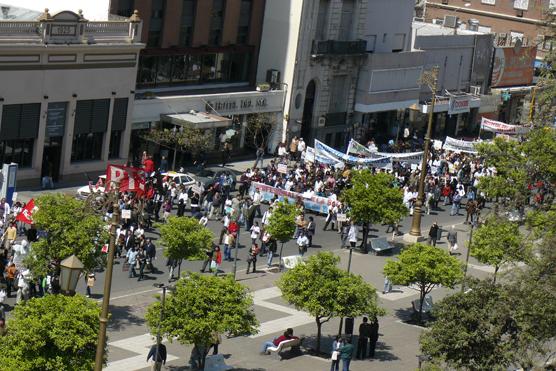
[93, 10]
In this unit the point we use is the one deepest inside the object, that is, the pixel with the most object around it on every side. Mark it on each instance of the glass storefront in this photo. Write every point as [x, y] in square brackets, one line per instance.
[166, 70]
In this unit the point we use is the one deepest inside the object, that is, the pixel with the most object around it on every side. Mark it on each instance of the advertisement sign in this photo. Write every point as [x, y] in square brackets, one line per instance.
[315, 203]
[459, 104]
[56, 119]
[513, 66]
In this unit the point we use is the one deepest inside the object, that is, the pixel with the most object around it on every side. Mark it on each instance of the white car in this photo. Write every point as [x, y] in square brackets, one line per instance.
[98, 187]
[181, 178]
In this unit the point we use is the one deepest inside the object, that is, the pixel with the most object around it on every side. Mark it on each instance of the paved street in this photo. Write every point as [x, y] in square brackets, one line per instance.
[398, 344]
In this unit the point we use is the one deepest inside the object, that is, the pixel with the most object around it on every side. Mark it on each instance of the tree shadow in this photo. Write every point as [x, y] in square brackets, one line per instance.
[383, 353]
[122, 317]
[405, 314]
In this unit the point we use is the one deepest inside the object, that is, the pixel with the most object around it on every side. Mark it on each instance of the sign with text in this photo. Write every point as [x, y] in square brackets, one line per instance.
[513, 66]
[56, 119]
[459, 104]
[314, 203]
[282, 168]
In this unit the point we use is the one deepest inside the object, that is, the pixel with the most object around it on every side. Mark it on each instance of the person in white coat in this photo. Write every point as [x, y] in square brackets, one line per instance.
[352, 234]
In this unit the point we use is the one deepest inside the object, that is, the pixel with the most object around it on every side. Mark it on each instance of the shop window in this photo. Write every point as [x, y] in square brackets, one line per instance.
[208, 72]
[239, 67]
[91, 120]
[86, 147]
[244, 21]
[164, 70]
[18, 130]
[146, 73]
[115, 142]
[187, 22]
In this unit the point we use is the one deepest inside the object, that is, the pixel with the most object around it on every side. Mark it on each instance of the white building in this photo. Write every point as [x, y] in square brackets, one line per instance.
[67, 91]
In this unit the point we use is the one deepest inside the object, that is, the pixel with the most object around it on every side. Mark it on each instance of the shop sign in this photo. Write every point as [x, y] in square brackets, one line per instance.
[56, 119]
[459, 104]
[235, 104]
[513, 66]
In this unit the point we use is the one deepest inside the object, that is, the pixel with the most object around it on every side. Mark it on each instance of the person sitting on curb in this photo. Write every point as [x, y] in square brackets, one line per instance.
[288, 335]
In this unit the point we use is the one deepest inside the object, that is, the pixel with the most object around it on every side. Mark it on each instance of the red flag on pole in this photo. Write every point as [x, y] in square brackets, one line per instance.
[26, 214]
[131, 179]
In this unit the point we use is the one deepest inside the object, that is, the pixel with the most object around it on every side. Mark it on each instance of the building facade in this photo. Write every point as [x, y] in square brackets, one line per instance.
[317, 47]
[67, 93]
[198, 52]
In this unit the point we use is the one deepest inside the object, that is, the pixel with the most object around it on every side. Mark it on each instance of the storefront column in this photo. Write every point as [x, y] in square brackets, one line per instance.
[68, 137]
[107, 134]
[39, 141]
[243, 119]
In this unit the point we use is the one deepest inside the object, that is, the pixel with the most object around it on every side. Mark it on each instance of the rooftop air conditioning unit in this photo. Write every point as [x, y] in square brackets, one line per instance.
[438, 21]
[473, 25]
[475, 89]
[450, 21]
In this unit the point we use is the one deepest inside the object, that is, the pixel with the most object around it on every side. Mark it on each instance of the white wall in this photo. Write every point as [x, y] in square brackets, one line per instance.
[387, 20]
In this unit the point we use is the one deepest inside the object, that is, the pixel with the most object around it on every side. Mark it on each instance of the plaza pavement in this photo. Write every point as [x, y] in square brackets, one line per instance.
[397, 348]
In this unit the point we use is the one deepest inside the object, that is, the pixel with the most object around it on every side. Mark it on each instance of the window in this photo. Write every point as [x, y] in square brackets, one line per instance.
[125, 8]
[244, 21]
[119, 118]
[338, 94]
[346, 22]
[489, 2]
[91, 120]
[19, 151]
[371, 43]
[521, 4]
[217, 22]
[322, 20]
[515, 35]
[187, 22]
[398, 42]
[18, 130]
[156, 22]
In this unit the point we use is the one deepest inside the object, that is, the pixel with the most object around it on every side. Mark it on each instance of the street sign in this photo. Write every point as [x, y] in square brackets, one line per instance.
[233, 227]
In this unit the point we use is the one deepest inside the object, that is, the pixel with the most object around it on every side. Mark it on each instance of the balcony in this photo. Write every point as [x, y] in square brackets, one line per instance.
[336, 118]
[335, 47]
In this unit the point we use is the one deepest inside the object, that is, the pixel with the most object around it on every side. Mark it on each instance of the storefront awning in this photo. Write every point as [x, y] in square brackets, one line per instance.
[196, 120]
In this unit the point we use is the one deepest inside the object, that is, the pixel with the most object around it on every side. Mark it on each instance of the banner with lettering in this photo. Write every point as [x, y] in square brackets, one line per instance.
[311, 156]
[131, 179]
[315, 203]
[456, 145]
[502, 127]
[358, 148]
[26, 214]
[329, 151]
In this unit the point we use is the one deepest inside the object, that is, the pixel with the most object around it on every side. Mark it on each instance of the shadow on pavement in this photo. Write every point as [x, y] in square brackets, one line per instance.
[125, 316]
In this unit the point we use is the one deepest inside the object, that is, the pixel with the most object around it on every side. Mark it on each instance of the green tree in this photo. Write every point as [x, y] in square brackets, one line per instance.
[71, 228]
[259, 126]
[372, 199]
[424, 266]
[201, 306]
[185, 238]
[498, 241]
[281, 224]
[54, 332]
[325, 291]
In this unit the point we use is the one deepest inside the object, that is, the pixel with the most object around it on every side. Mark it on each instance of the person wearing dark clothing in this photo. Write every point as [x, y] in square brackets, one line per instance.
[346, 352]
[433, 234]
[150, 252]
[158, 354]
[311, 230]
[181, 208]
[141, 262]
[252, 257]
[364, 335]
[31, 234]
[374, 337]
[208, 259]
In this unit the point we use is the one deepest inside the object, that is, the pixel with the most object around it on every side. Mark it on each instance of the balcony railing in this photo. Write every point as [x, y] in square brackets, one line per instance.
[335, 118]
[335, 47]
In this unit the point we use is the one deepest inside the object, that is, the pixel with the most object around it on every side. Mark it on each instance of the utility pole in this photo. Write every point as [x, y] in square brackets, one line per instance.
[473, 221]
[99, 358]
[431, 79]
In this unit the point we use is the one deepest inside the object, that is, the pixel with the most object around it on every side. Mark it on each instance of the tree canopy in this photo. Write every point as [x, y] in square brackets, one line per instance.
[54, 332]
[185, 238]
[186, 139]
[424, 266]
[498, 241]
[372, 199]
[281, 224]
[323, 290]
[201, 306]
[71, 228]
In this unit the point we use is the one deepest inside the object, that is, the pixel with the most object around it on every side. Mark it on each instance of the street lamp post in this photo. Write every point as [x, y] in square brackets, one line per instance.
[473, 222]
[158, 337]
[430, 79]
[348, 270]
[99, 358]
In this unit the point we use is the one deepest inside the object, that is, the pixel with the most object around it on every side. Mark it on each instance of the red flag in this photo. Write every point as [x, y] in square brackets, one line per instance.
[26, 214]
[131, 179]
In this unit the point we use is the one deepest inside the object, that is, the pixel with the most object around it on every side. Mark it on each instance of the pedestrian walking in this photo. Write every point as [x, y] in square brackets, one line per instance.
[90, 283]
[335, 357]
[272, 248]
[453, 240]
[141, 263]
[302, 243]
[171, 264]
[208, 259]
[352, 235]
[311, 227]
[131, 257]
[364, 336]
[259, 154]
[374, 337]
[387, 285]
[158, 354]
[346, 353]
[433, 234]
[217, 260]
[252, 258]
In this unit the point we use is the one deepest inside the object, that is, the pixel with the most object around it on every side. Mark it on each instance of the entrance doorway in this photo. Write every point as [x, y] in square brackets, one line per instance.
[307, 118]
[52, 157]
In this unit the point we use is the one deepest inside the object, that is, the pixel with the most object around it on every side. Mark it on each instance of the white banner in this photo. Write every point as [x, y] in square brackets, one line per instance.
[331, 152]
[358, 148]
[456, 145]
[502, 127]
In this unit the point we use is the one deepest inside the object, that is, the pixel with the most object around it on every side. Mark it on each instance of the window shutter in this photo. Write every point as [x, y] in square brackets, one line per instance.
[100, 112]
[30, 117]
[119, 114]
[83, 111]
[11, 116]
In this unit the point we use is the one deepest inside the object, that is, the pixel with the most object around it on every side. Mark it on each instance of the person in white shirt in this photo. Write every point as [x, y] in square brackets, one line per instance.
[255, 232]
[266, 216]
[301, 145]
[352, 234]
[257, 198]
[302, 242]
[204, 220]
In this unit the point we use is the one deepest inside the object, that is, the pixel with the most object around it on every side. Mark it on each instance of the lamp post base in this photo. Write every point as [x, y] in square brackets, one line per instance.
[409, 238]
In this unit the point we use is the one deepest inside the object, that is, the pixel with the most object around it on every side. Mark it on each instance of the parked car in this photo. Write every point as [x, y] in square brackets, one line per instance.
[98, 187]
[210, 175]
